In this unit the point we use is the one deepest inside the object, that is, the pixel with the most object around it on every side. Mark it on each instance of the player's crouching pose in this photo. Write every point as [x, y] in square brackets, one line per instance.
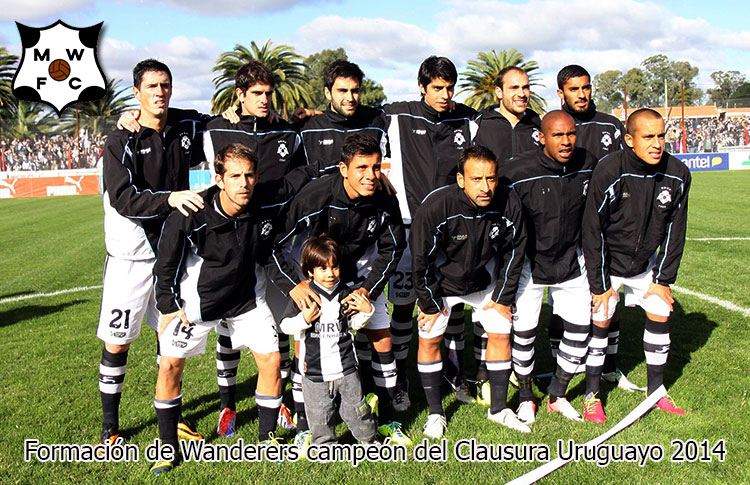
[467, 244]
[327, 361]
[209, 271]
[636, 206]
[552, 183]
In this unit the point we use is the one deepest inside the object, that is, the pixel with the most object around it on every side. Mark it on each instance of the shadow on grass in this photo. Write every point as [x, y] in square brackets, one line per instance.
[10, 317]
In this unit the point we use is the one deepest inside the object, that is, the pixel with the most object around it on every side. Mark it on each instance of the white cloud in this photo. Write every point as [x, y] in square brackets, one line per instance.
[24, 10]
[233, 7]
[189, 59]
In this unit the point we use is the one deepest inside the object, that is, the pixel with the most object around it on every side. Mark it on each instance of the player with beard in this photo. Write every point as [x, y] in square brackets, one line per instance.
[601, 134]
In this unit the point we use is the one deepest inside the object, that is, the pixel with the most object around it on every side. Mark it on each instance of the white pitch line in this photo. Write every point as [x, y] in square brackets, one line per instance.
[54, 293]
[549, 467]
[717, 238]
[716, 301]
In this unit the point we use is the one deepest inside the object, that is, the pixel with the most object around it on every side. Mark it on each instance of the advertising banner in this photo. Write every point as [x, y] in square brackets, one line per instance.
[701, 162]
[15, 188]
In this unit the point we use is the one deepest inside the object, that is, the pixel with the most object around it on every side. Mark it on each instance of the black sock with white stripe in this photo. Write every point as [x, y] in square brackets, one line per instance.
[168, 413]
[656, 343]
[430, 374]
[499, 371]
[570, 355]
[286, 361]
[227, 361]
[613, 343]
[299, 400]
[384, 374]
[595, 358]
[454, 343]
[364, 359]
[556, 329]
[401, 331]
[268, 412]
[111, 377]
[522, 351]
[480, 348]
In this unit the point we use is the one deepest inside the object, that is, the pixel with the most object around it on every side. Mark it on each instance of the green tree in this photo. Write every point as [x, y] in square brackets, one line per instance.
[292, 88]
[371, 93]
[639, 93]
[100, 116]
[27, 120]
[479, 78]
[727, 83]
[658, 69]
[608, 93]
[7, 68]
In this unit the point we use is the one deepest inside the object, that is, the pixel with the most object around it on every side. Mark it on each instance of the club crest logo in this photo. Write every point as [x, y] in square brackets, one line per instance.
[665, 196]
[185, 142]
[266, 228]
[494, 231]
[59, 65]
[283, 151]
[458, 138]
[372, 224]
[535, 135]
[585, 187]
[606, 140]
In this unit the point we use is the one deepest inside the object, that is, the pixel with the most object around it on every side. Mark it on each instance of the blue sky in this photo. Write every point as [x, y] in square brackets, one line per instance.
[388, 39]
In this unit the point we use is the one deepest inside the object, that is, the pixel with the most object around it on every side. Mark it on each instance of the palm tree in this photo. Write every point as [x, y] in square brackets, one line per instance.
[479, 78]
[7, 68]
[100, 116]
[27, 120]
[292, 88]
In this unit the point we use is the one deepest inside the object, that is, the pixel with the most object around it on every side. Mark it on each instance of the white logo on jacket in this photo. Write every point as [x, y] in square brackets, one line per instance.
[458, 138]
[665, 196]
[606, 140]
[283, 151]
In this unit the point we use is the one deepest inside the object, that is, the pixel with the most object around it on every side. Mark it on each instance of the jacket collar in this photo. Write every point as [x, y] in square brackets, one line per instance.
[587, 115]
[576, 161]
[328, 294]
[638, 166]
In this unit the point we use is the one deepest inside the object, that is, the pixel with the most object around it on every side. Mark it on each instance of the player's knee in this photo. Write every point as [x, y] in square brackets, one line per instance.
[116, 349]
[171, 367]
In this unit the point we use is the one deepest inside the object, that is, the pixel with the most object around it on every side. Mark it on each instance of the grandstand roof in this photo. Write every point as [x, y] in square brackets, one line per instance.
[690, 112]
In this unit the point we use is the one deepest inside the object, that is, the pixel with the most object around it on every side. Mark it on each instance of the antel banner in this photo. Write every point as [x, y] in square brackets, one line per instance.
[701, 162]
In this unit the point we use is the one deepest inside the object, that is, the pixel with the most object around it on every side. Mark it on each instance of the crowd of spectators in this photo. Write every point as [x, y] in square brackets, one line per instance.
[705, 135]
[69, 152]
[51, 153]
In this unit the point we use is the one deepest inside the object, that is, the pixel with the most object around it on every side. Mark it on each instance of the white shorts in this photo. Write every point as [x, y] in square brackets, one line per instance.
[634, 288]
[381, 318]
[127, 296]
[401, 286]
[571, 300]
[491, 320]
[254, 330]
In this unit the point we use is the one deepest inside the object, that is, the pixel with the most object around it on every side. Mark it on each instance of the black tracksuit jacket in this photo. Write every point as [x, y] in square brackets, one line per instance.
[452, 242]
[599, 133]
[323, 206]
[553, 195]
[632, 210]
[276, 144]
[424, 148]
[496, 133]
[141, 170]
[227, 249]
[324, 135]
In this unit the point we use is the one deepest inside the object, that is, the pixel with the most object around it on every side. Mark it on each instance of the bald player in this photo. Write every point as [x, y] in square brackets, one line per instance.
[551, 182]
[633, 236]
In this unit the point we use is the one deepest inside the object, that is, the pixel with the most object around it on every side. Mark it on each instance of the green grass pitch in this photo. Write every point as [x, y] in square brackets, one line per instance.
[49, 357]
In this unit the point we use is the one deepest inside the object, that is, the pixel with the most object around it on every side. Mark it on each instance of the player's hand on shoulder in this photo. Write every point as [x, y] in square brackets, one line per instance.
[301, 114]
[303, 293]
[129, 121]
[230, 114]
[184, 200]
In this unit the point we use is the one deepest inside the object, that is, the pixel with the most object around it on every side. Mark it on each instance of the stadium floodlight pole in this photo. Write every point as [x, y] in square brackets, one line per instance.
[682, 122]
[625, 100]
